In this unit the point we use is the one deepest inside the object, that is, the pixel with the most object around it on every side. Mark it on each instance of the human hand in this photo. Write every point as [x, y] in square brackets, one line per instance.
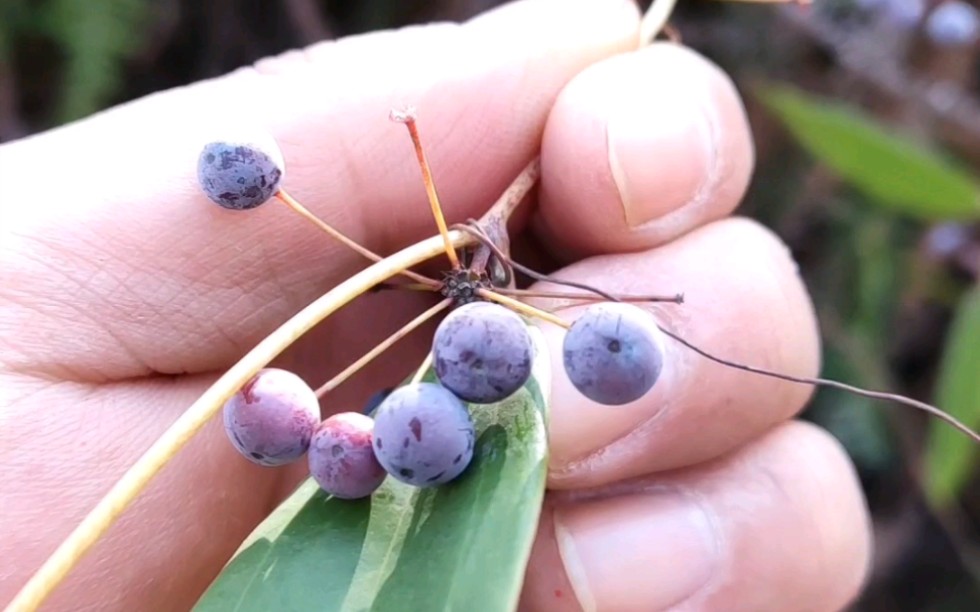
[125, 293]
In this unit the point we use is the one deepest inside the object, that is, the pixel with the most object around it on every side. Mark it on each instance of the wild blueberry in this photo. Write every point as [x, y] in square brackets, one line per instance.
[900, 14]
[423, 435]
[271, 419]
[239, 175]
[341, 458]
[482, 352]
[612, 353]
[953, 24]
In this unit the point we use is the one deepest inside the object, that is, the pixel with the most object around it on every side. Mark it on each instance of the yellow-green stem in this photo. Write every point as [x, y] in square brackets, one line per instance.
[304, 212]
[423, 368]
[521, 307]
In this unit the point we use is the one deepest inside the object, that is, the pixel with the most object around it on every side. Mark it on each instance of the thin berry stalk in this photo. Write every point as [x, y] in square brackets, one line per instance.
[304, 212]
[384, 345]
[589, 297]
[522, 308]
[423, 368]
[824, 382]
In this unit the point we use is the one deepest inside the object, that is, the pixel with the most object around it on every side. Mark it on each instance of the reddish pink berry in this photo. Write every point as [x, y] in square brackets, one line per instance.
[270, 420]
[342, 459]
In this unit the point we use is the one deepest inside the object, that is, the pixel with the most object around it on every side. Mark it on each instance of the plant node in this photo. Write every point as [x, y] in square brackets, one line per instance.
[462, 286]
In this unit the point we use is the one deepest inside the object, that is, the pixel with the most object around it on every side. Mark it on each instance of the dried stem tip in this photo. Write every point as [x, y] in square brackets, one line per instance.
[407, 117]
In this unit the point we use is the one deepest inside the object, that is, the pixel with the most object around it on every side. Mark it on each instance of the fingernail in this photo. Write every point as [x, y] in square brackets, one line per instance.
[662, 156]
[636, 552]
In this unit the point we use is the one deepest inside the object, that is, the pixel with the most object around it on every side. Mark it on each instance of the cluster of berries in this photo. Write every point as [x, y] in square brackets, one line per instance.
[421, 433]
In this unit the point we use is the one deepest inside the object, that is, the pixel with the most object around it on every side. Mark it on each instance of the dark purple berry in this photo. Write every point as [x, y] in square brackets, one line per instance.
[341, 458]
[482, 352]
[612, 353]
[423, 435]
[271, 419]
[239, 175]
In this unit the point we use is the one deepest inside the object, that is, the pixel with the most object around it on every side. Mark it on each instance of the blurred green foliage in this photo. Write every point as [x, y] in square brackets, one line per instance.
[950, 457]
[94, 39]
[900, 180]
[896, 172]
[863, 265]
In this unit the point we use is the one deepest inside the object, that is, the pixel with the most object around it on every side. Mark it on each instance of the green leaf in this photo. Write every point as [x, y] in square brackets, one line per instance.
[461, 546]
[950, 456]
[96, 37]
[894, 172]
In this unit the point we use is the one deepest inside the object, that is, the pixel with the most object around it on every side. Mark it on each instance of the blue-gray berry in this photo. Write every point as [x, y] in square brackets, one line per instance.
[954, 24]
[238, 175]
[612, 353]
[423, 435]
[482, 352]
[271, 419]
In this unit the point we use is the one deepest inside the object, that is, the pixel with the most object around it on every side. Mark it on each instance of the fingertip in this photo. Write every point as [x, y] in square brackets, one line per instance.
[779, 521]
[834, 477]
[641, 148]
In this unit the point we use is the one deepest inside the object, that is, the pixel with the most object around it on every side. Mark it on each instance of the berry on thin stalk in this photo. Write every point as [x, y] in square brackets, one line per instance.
[271, 419]
[482, 352]
[239, 175]
[244, 173]
[817, 382]
[612, 353]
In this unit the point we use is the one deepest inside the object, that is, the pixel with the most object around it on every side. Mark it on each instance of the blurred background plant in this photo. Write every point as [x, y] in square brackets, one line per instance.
[866, 116]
